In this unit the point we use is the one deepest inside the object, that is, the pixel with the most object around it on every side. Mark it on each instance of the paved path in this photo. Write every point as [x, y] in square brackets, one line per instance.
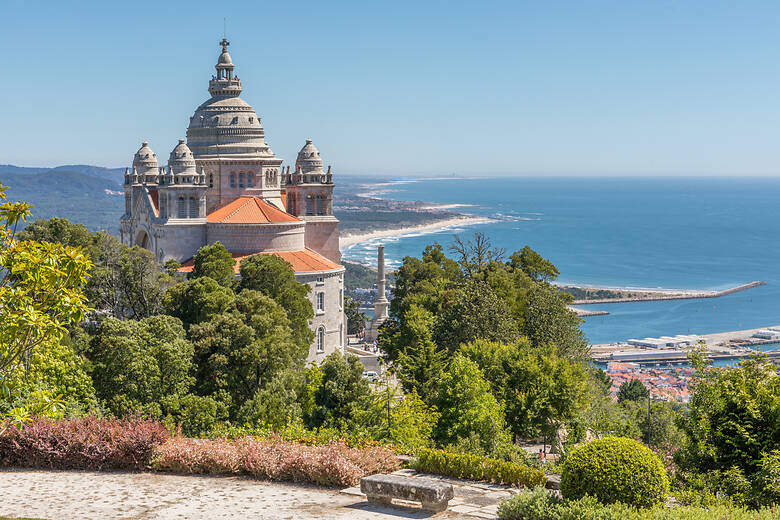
[78, 495]
[473, 500]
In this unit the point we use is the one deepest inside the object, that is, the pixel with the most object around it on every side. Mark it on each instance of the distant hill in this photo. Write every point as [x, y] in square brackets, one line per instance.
[93, 198]
[111, 174]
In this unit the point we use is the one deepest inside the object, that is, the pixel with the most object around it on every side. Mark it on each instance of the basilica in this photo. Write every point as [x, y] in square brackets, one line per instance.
[223, 183]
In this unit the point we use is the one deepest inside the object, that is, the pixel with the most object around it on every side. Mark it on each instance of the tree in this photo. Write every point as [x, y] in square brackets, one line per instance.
[356, 320]
[549, 321]
[197, 300]
[61, 231]
[238, 353]
[542, 390]
[475, 255]
[217, 263]
[734, 417]
[40, 289]
[54, 367]
[141, 366]
[275, 278]
[534, 265]
[420, 364]
[467, 407]
[341, 392]
[475, 313]
[633, 390]
[404, 420]
[127, 282]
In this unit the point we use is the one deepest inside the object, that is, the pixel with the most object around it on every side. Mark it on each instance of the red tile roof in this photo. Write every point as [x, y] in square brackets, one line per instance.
[284, 200]
[303, 261]
[249, 210]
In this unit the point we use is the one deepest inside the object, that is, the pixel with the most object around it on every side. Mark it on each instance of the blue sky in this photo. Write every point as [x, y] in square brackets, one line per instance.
[427, 87]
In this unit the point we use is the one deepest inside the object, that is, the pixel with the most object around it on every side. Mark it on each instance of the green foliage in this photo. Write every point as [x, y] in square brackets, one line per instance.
[541, 389]
[277, 404]
[467, 407]
[217, 263]
[420, 364]
[275, 278]
[197, 300]
[61, 231]
[402, 420]
[356, 319]
[141, 366]
[734, 418]
[539, 504]
[474, 467]
[341, 392]
[127, 282]
[239, 352]
[474, 313]
[615, 469]
[534, 265]
[548, 321]
[633, 390]
[40, 289]
[766, 481]
[55, 369]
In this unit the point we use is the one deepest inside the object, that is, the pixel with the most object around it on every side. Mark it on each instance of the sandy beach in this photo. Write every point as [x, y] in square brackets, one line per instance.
[465, 220]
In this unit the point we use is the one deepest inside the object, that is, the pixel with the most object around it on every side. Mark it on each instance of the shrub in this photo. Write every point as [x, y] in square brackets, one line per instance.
[538, 504]
[82, 443]
[615, 469]
[464, 465]
[333, 464]
[766, 481]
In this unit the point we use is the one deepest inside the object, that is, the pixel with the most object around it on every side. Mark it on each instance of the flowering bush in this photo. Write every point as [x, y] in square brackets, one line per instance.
[464, 465]
[82, 443]
[333, 464]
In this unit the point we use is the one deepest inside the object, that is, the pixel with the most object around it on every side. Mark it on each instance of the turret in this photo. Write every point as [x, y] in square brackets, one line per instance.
[182, 190]
[310, 197]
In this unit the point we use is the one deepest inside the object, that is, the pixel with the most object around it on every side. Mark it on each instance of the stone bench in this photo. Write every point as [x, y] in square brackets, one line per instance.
[382, 489]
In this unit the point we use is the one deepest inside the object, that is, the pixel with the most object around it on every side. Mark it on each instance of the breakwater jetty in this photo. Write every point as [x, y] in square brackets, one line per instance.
[647, 295]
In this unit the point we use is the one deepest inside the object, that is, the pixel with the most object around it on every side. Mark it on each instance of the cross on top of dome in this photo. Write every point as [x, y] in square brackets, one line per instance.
[224, 83]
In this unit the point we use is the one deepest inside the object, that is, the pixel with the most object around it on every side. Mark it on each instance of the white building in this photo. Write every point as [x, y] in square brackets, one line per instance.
[225, 184]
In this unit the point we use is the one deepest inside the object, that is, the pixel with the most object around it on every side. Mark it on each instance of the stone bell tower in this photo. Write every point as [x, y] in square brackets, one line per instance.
[310, 198]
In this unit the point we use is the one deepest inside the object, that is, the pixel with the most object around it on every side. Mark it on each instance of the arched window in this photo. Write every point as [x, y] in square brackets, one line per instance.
[211, 180]
[309, 205]
[241, 180]
[164, 206]
[181, 207]
[320, 301]
[250, 180]
[320, 205]
[232, 180]
[194, 203]
[321, 339]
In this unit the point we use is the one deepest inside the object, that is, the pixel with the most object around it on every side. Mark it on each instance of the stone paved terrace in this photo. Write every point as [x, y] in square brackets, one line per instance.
[81, 495]
[472, 499]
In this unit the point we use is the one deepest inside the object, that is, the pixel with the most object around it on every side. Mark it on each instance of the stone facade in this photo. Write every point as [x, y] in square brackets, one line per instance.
[225, 184]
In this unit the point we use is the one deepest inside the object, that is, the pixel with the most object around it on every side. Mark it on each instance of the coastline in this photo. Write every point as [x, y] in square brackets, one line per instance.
[434, 227]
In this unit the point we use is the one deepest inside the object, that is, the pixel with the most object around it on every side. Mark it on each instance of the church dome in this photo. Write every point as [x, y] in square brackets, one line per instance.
[145, 160]
[181, 159]
[225, 124]
[224, 58]
[309, 160]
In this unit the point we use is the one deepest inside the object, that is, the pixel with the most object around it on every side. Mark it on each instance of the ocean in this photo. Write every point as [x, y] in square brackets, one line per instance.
[672, 233]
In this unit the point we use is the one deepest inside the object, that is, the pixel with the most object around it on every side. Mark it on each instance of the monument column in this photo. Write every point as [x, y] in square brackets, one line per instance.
[380, 304]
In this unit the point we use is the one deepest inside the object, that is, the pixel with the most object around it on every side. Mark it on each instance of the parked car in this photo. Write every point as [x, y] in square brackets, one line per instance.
[371, 376]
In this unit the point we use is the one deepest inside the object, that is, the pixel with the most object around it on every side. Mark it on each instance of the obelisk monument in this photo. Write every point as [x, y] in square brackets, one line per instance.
[381, 303]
